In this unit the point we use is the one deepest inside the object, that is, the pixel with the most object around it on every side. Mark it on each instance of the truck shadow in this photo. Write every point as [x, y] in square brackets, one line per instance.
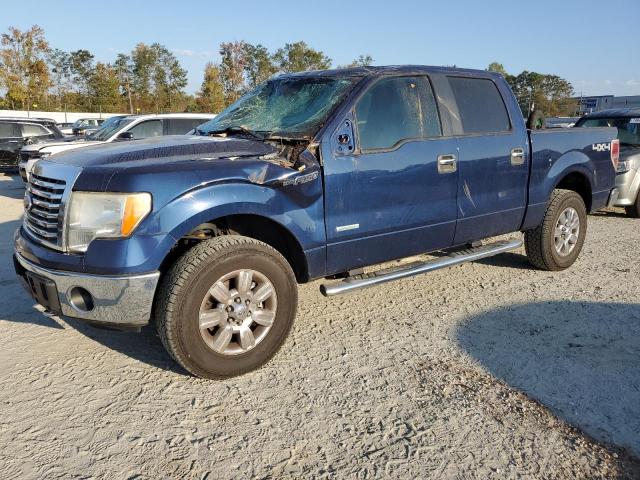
[144, 347]
[579, 359]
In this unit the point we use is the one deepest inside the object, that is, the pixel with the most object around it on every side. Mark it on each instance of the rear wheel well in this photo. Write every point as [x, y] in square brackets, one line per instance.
[252, 226]
[580, 184]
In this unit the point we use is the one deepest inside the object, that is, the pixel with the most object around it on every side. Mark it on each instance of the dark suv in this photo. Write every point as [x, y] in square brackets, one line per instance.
[17, 132]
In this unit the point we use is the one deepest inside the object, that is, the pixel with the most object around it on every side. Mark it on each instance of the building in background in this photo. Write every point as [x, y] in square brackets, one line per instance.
[605, 102]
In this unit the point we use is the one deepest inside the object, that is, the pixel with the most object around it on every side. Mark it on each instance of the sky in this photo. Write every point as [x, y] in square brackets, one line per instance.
[588, 42]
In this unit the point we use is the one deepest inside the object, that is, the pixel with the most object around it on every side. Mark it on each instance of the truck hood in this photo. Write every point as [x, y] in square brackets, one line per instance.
[161, 151]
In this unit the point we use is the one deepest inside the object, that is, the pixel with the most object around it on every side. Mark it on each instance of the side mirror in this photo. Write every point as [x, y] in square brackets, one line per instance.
[125, 136]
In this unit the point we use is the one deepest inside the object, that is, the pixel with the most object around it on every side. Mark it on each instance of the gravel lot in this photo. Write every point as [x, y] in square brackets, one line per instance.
[486, 370]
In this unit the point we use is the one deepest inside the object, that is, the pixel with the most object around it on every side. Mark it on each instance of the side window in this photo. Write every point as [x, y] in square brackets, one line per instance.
[395, 109]
[180, 126]
[7, 130]
[33, 130]
[150, 128]
[482, 109]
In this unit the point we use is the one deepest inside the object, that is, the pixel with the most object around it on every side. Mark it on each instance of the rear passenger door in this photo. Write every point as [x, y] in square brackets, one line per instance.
[493, 161]
[392, 193]
[180, 126]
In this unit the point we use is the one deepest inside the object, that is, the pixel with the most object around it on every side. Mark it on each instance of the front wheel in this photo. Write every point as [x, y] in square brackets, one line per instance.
[556, 243]
[226, 306]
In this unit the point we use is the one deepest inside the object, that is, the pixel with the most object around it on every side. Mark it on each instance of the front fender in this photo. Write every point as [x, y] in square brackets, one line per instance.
[297, 208]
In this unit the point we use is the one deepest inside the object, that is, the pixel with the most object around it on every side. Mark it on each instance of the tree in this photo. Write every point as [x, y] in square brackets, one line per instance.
[259, 64]
[548, 93]
[124, 70]
[168, 76]
[104, 87]
[361, 61]
[232, 68]
[299, 57]
[81, 64]
[23, 68]
[498, 68]
[210, 98]
[60, 63]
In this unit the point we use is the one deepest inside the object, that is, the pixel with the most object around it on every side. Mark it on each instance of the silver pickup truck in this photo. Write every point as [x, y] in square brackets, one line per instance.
[627, 121]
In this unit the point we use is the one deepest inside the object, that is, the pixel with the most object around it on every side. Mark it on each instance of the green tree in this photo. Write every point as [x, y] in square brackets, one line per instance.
[498, 68]
[232, 69]
[60, 63]
[104, 88]
[169, 78]
[124, 70]
[23, 68]
[548, 93]
[361, 61]
[82, 65]
[299, 57]
[259, 64]
[210, 98]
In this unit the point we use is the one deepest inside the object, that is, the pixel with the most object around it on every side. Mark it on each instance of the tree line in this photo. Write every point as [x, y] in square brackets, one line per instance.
[549, 93]
[150, 79]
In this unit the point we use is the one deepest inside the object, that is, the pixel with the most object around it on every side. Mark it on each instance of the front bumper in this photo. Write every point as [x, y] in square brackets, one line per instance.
[124, 301]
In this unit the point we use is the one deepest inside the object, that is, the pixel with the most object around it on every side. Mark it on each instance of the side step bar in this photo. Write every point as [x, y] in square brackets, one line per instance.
[416, 268]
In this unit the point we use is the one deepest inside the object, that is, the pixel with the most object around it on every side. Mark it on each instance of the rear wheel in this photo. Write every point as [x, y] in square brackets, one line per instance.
[556, 243]
[226, 306]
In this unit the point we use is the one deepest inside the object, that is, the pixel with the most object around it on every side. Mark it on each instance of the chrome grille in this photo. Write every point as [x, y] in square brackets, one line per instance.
[47, 191]
[43, 216]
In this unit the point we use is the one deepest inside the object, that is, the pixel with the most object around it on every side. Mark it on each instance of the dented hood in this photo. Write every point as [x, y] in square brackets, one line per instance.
[162, 150]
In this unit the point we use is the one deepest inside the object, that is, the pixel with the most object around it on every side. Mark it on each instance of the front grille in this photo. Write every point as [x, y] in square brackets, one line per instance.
[44, 215]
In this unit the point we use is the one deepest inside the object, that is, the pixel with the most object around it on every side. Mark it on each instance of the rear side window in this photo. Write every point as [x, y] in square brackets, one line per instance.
[150, 128]
[180, 126]
[33, 130]
[396, 109]
[7, 130]
[482, 109]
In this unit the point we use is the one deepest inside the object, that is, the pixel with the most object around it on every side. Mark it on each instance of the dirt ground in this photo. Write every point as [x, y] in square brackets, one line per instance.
[486, 370]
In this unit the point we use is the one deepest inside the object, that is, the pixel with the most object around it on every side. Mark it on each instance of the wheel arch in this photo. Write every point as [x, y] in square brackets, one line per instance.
[252, 225]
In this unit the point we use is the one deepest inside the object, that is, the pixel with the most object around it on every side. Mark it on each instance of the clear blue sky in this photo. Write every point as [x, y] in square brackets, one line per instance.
[592, 43]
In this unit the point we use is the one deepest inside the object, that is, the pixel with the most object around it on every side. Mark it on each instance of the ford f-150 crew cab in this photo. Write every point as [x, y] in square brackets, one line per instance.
[310, 175]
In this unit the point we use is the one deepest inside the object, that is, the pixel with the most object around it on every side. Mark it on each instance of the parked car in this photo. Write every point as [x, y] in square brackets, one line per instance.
[66, 128]
[560, 122]
[627, 123]
[15, 132]
[310, 175]
[116, 128]
[82, 124]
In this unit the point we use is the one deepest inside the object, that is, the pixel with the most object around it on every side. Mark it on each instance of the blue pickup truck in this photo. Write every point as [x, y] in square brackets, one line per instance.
[310, 175]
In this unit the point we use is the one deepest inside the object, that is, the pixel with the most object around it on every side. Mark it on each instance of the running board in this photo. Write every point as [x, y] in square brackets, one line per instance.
[416, 268]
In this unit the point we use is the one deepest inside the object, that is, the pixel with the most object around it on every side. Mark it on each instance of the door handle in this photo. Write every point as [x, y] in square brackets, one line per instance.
[447, 163]
[517, 156]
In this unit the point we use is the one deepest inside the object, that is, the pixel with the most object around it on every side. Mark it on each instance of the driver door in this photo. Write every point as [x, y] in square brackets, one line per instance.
[392, 192]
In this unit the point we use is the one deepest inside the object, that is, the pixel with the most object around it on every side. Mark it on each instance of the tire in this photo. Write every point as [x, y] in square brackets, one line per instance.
[185, 293]
[540, 242]
[633, 211]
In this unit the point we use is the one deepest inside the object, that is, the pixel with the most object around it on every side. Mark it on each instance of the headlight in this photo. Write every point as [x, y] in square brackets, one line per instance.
[104, 215]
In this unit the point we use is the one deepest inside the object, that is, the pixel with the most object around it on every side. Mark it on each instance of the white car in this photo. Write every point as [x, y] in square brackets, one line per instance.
[118, 128]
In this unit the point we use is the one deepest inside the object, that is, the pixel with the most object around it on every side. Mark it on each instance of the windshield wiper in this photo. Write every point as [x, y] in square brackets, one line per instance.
[240, 129]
